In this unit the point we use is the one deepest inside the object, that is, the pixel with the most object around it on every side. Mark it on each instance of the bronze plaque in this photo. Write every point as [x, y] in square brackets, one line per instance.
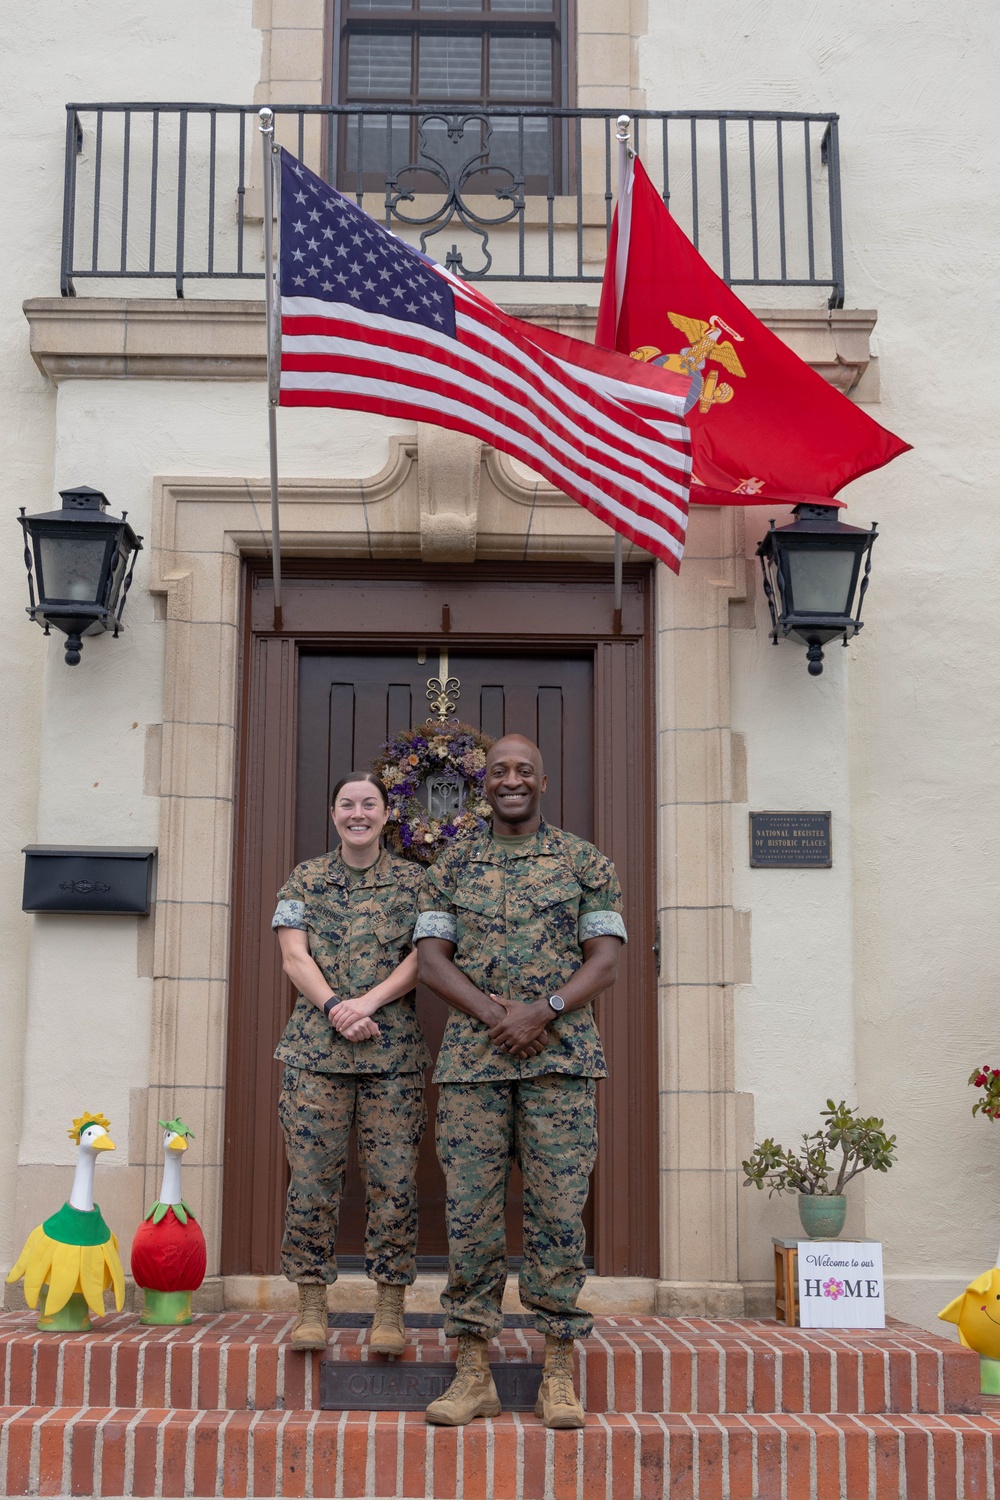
[411, 1384]
[790, 840]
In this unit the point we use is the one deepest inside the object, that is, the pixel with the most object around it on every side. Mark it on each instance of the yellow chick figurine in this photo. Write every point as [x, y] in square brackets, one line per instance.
[74, 1252]
[977, 1313]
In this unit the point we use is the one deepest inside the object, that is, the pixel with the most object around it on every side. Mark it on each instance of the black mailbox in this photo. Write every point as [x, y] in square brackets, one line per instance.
[79, 880]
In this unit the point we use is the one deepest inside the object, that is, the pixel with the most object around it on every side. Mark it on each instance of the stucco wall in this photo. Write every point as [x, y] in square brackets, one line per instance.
[51, 55]
[915, 751]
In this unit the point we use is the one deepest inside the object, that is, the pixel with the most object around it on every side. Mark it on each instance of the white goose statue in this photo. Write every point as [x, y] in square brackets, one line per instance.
[73, 1256]
[168, 1251]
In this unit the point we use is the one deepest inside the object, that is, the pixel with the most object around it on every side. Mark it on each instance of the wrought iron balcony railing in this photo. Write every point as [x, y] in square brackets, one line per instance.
[171, 192]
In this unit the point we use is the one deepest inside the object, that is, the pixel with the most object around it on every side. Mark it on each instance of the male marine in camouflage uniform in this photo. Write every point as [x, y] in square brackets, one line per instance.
[359, 926]
[518, 931]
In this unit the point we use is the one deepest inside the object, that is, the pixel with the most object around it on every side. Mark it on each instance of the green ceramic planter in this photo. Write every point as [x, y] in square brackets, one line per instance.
[166, 1309]
[822, 1216]
[74, 1317]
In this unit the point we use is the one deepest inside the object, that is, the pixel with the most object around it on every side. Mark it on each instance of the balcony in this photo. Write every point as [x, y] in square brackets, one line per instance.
[169, 195]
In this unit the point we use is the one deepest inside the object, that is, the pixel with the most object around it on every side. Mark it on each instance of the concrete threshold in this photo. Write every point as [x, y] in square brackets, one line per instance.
[602, 1295]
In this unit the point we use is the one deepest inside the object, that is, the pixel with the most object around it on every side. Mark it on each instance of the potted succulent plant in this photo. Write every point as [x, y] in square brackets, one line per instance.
[814, 1172]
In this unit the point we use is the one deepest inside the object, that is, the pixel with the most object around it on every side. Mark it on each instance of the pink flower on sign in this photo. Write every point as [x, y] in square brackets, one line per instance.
[833, 1289]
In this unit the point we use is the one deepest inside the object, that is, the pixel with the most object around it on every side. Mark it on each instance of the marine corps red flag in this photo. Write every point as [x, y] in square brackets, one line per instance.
[764, 426]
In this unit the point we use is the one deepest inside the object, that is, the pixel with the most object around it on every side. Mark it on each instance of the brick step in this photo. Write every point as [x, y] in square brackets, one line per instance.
[97, 1451]
[242, 1361]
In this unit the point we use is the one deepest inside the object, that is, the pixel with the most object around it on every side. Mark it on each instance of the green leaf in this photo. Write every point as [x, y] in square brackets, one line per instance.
[149, 1212]
[179, 1212]
[159, 1212]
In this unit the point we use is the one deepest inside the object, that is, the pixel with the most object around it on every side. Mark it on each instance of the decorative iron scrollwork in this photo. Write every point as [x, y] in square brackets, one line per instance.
[443, 691]
[442, 694]
[84, 887]
[455, 177]
[445, 794]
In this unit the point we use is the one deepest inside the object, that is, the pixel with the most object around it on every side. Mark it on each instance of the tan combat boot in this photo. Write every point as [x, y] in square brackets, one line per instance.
[472, 1392]
[310, 1331]
[388, 1331]
[558, 1404]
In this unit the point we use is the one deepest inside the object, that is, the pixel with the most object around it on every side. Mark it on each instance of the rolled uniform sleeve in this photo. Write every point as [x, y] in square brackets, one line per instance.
[437, 917]
[290, 914]
[438, 924]
[601, 903]
[291, 908]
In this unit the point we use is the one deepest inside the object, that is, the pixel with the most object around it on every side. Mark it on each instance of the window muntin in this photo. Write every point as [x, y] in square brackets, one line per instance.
[456, 54]
[473, 51]
[378, 67]
[449, 67]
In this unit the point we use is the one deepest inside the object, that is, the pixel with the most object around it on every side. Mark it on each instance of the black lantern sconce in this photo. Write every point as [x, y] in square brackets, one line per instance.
[83, 562]
[811, 571]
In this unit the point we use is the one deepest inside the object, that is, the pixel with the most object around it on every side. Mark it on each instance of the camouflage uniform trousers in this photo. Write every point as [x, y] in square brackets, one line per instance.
[317, 1111]
[548, 1125]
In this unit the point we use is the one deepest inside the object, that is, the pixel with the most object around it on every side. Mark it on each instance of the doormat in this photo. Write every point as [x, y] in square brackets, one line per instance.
[409, 1385]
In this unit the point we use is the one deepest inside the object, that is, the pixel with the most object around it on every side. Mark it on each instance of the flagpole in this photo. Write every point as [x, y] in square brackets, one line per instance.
[622, 135]
[273, 328]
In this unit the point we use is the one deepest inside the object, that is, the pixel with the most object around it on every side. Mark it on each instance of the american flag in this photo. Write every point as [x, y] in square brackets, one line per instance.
[370, 324]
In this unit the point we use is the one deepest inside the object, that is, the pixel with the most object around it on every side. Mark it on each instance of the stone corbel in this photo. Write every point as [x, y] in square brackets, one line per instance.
[448, 468]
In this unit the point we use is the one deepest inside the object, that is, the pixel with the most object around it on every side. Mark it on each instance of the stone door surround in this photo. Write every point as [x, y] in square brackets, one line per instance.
[202, 530]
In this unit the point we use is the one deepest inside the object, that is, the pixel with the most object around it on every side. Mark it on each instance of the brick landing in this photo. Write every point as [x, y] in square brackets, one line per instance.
[690, 1409]
[242, 1362]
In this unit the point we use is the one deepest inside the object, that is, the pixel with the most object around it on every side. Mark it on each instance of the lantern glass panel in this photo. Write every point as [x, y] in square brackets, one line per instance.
[820, 579]
[71, 566]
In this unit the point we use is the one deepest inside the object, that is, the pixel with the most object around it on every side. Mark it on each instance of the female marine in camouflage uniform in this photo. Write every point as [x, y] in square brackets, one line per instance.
[345, 925]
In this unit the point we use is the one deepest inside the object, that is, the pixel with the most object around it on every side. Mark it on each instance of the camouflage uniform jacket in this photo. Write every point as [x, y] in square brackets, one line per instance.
[359, 932]
[518, 919]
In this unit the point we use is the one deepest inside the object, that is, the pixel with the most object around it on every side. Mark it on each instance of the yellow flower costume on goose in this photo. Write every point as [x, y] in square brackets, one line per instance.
[74, 1252]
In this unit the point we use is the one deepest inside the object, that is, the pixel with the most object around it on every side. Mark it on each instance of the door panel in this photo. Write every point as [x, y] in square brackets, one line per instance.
[349, 705]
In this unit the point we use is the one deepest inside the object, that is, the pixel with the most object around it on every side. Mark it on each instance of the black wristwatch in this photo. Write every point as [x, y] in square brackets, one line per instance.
[328, 1006]
[557, 1004]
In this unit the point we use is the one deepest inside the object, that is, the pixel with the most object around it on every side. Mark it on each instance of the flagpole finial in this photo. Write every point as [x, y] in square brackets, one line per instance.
[266, 117]
[624, 127]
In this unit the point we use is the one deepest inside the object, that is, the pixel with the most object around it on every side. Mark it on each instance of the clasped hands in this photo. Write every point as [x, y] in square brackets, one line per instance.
[353, 1021]
[521, 1030]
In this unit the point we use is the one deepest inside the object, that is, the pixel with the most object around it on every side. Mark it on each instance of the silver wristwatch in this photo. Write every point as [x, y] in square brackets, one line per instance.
[557, 1004]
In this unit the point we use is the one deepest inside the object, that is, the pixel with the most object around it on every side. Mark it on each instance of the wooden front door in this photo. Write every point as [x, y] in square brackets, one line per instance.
[349, 704]
[318, 701]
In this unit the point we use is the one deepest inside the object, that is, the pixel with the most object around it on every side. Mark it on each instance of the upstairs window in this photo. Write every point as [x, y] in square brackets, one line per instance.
[457, 56]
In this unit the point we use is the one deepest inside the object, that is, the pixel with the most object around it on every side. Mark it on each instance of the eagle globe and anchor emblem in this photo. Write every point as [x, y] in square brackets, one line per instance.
[706, 389]
[706, 346]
